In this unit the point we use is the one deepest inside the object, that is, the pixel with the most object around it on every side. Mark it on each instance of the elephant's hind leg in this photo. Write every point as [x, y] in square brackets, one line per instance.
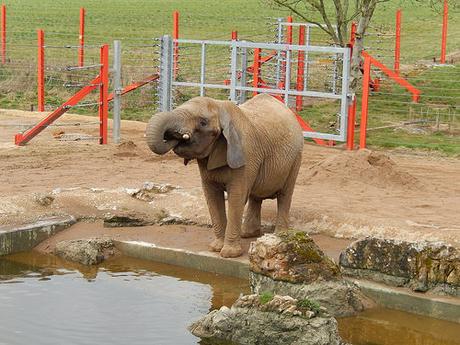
[284, 198]
[251, 224]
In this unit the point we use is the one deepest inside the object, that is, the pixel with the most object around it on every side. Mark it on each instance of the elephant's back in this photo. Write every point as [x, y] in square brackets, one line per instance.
[272, 118]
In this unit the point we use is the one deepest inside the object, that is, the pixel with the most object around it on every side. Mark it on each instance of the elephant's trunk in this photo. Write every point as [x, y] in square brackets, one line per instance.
[163, 132]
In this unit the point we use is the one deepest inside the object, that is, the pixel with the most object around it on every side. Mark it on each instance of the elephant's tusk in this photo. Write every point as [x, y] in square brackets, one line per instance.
[186, 136]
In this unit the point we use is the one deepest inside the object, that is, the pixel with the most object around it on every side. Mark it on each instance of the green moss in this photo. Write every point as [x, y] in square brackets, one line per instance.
[306, 304]
[303, 246]
[266, 297]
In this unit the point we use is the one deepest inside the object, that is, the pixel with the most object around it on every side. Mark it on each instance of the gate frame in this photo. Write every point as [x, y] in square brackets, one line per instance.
[167, 81]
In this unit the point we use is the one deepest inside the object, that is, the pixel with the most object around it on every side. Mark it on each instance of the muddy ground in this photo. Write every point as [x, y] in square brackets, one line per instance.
[398, 194]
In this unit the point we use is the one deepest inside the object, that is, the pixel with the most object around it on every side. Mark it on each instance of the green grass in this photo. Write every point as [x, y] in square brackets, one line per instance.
[266, 297]
[107, 20]
[306, 304]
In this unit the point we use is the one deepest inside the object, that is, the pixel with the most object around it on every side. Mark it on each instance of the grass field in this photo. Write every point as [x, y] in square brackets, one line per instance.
[138, 21]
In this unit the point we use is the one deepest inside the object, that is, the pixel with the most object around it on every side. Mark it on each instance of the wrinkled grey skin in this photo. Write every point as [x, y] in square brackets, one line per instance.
[252, 151]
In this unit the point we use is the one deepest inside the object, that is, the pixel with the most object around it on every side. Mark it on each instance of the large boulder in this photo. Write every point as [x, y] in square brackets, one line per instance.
[291, 257]
[292, 264]
[421, 266]
[269, 319]
[85, 251]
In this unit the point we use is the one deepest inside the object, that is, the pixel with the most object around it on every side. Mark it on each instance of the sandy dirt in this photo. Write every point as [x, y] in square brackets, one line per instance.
[400, 195]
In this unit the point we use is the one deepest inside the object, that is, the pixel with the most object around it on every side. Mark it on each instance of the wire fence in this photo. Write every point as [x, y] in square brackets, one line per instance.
[394, 120]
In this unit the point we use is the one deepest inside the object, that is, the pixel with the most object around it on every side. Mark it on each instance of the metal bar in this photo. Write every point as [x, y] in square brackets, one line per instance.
[234, 35]
[287, 80]
[307, 64]
[334, 74]
[23, 138]
[203, 69]
[300, 69]
[270, 46]
[397, 42]
[134, 86]
[346, 65]
[351, 124]
[324, 136]
[401, 81]
[117, 91]
[81, 37]
[79, 68]
[176, 43]
[3, 33]
[365, 101]
[82, 105]
[262, 90]
[289, 30]
[445, 19]
[279, 40]
[233, 68]
[256, 70]
[166, 73]
[244, 66]
[41, 70]
[305, 24]
[103, 94]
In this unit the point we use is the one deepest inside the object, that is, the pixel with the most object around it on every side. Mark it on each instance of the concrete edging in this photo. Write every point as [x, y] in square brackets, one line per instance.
[26, 237]
[390, 297]
[204, 261]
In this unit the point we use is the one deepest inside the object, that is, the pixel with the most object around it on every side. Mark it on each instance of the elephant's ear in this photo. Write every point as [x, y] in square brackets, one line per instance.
[218, 156]
[235, 154]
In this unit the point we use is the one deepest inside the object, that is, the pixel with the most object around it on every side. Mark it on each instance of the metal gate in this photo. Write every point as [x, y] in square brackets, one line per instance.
[232, 67]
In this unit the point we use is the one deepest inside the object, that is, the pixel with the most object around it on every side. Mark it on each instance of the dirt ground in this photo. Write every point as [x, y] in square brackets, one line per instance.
[397, 194]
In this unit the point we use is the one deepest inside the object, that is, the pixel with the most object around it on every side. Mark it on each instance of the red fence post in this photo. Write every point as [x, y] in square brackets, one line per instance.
[234, 35]
[103, 94]
[365, 101]
[3, 29]
[81, 37]
[289, 31]
[444, 31]
[176, 45]
[351, 124]
[41, 70]
[256, 70]
[398, 41]
[300, 68]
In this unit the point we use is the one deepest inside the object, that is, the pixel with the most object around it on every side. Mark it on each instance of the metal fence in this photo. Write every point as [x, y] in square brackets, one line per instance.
[227, 69]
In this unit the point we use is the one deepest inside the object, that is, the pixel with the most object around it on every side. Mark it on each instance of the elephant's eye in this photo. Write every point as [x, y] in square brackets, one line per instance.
[203, 122]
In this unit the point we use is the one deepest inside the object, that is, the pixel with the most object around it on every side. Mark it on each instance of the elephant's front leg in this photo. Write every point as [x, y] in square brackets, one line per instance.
[237, 197]
[216, 205]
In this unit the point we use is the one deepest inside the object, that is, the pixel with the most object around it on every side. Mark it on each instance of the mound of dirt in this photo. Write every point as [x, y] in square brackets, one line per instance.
[126, 149]
[364, 166]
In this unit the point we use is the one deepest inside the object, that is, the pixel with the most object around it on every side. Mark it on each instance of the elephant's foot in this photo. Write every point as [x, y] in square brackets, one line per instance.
[216, 245]
[246, 232]
[231, 250]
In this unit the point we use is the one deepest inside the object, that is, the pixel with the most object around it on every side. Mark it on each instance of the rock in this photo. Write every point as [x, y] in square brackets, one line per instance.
[85, 251]
[292, 264]
[150, 191]
[422, 266]
[338, 297]
[125, 219]
[291, 257]
[267, 323]
[44, 199]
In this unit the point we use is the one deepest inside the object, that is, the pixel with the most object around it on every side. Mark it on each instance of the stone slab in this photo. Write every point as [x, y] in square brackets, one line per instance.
[25, 237]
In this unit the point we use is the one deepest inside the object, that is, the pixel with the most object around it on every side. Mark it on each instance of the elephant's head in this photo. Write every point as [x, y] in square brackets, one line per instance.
[200, 128]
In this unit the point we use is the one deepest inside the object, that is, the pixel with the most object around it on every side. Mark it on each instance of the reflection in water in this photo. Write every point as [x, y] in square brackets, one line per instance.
[45, 300]
[392, 327]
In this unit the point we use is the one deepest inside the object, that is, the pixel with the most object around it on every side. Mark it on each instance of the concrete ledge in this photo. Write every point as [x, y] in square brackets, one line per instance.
[204, 261]
[26, 237]
[445, 308]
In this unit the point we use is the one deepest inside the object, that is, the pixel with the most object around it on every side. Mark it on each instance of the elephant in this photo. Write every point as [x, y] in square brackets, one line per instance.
[252, 151]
